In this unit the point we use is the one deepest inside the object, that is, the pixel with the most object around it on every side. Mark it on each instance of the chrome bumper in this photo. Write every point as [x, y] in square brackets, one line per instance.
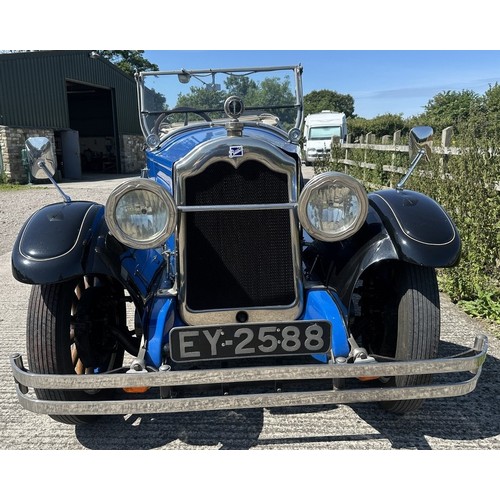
[469, 361]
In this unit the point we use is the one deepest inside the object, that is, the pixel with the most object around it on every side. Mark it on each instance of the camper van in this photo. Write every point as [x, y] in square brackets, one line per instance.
[320, 129]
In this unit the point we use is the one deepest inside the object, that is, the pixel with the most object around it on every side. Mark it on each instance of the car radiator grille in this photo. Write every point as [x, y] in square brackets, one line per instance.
[238, 259]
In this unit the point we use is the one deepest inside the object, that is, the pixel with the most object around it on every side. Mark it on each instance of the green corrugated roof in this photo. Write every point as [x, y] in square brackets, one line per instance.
[33, 88]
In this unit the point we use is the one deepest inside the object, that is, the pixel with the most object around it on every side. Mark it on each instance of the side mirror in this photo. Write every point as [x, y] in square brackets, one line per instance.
[421, 142]
[420, 146]
[42, 155]
[43, 161]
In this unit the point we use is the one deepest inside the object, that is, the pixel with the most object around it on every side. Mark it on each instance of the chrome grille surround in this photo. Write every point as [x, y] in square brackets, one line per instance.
[196, 162]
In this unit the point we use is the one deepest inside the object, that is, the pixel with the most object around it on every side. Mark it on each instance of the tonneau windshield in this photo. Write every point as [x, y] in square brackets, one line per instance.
[172, 99]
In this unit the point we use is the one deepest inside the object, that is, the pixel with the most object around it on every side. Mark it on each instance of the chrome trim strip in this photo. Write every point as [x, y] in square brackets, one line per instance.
[220, 70]
[146, 406]
[25, 379]
[237, 208]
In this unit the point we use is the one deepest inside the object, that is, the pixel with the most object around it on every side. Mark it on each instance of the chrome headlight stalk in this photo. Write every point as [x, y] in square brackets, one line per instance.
[141, 214]
[332, 206]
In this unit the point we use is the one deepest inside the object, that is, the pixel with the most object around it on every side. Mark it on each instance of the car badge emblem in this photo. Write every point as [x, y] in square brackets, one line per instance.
[235, 151]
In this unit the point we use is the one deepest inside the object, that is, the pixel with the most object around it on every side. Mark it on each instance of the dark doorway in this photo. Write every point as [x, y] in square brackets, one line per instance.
[92, 114]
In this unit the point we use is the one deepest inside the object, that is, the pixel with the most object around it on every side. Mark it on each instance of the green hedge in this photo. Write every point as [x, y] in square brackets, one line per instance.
[465, 185]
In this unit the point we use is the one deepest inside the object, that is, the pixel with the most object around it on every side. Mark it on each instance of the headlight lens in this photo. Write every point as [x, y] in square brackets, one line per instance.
[333, 206]
[141, 214]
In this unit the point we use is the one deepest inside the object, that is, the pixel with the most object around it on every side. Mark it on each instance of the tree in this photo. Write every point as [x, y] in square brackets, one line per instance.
[128, 61]
[319, 100]
[380, 125]
[275, 92]
[491, 99]
[268, 92]
[451, 108]
[205, 97]
[240, 86]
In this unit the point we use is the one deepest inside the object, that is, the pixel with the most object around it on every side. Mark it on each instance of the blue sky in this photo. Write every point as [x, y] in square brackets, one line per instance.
[441, 45]
[380, 81]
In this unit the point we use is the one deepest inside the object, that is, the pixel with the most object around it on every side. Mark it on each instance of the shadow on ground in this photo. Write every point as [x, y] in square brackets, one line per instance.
[463, 420]
[237, 430]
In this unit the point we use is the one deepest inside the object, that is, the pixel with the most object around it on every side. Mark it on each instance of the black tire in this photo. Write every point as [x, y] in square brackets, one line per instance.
[68, 331]
[403, 322]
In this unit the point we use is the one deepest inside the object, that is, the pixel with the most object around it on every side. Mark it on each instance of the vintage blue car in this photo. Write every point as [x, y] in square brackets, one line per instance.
[250, 286]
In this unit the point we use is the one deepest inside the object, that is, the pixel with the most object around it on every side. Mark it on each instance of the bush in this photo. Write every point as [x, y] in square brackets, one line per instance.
[465, 186]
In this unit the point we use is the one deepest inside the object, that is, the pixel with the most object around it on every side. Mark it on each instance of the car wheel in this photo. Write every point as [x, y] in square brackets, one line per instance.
[401, 319]
[69, 330]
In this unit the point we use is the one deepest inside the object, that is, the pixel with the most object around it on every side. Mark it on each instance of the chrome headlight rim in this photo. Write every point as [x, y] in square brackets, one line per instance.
[319, 181]
[161, 236]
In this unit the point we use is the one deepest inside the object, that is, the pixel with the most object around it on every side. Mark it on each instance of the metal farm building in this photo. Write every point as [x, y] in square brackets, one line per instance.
[82, 102]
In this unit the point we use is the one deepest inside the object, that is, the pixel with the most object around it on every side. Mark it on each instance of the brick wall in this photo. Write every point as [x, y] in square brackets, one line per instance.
[132, 153]
[12, 143]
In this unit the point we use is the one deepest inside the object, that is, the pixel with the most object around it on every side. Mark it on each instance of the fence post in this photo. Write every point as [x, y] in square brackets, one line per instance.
[445, 143]
[369, 139]
[346, 155]
[396, 139]
[446, 137]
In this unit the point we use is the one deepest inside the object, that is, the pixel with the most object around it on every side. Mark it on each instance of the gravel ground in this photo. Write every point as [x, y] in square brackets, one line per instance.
[470, 422]
[16, 205]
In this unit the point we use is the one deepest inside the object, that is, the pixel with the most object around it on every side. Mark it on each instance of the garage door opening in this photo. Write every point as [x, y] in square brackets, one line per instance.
[92, 115]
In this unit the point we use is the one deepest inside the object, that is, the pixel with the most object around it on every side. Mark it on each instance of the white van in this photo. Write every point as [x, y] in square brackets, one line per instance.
[319, 131]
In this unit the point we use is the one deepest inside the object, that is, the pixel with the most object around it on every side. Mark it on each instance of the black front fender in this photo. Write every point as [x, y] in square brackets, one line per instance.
[420, 229]
[54, 243]
[401, 225]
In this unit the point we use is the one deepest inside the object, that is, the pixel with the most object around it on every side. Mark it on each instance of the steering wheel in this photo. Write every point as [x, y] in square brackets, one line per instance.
[181, 109]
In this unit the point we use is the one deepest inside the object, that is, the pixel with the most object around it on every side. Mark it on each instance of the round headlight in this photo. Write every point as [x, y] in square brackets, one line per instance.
[333, 206]
[141, 214]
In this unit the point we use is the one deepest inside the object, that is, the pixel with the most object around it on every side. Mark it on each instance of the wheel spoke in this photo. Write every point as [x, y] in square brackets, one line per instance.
[79, 368]
[64, 314]
[74, 356]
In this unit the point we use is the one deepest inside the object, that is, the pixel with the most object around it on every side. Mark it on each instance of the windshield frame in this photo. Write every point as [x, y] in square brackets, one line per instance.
[245, 71]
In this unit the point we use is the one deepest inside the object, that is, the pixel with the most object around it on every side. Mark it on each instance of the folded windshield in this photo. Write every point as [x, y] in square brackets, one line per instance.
[169, 99]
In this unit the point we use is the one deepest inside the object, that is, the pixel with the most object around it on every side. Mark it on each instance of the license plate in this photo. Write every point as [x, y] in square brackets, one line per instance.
[250, 340]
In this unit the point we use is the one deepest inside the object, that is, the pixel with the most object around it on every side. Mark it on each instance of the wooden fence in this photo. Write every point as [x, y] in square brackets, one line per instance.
[393, 145]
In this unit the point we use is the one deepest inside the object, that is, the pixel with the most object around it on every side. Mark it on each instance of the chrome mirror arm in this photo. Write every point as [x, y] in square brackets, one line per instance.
[42, 165]
[421, 152]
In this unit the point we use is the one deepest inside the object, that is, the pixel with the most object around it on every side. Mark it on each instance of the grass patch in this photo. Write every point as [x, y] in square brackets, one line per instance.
[10, 186]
